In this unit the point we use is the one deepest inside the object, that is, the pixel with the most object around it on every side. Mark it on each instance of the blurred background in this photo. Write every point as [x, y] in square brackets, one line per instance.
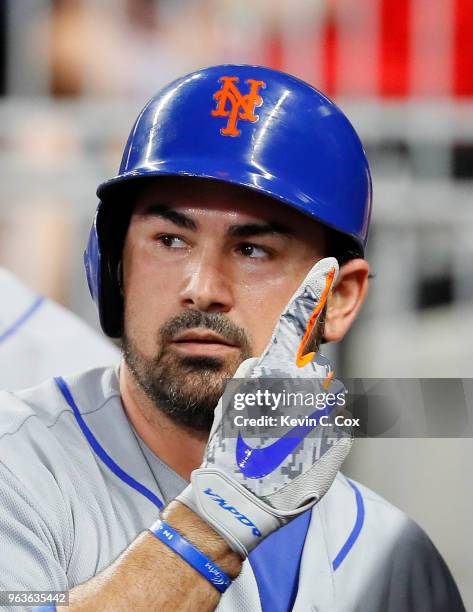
[75, 73]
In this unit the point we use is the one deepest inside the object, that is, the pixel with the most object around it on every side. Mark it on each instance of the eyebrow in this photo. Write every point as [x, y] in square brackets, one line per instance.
[165, 212]
[238, 230]
[247, 230]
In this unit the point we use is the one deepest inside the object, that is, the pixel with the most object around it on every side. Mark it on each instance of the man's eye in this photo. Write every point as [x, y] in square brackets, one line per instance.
[172, 242]
[253, 251]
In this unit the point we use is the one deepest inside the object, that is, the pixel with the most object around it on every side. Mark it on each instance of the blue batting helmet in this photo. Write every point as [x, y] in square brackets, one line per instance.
[247, 125]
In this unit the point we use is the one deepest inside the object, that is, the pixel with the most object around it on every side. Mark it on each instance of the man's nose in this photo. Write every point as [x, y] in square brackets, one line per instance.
[206, 284]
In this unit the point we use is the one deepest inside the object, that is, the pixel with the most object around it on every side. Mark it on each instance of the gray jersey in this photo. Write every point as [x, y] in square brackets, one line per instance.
[78, 485]
[39, 338]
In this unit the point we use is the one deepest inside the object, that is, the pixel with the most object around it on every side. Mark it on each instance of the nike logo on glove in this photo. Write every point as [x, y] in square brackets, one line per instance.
[259, 462]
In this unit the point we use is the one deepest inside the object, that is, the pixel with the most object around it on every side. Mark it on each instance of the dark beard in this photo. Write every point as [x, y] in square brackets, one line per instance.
[187, 388]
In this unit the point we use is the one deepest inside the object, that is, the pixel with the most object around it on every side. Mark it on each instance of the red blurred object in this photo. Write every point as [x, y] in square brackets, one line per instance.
[394, 52]
[330, 53]
[275, 49]
[463, 48]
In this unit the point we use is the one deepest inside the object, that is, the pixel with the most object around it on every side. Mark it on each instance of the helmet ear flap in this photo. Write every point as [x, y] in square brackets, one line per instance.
[102, 260]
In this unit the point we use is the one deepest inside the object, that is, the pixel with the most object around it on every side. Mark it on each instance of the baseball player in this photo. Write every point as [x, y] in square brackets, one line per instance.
[230, 244]
[40, 339]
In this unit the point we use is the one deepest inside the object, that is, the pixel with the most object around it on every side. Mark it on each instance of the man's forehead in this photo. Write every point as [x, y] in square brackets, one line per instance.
[198, 197]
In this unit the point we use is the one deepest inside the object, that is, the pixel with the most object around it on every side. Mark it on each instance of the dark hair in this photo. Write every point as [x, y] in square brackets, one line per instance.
[344, 248]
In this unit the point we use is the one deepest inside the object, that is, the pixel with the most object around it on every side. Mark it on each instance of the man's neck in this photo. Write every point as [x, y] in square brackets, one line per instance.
[181, 449]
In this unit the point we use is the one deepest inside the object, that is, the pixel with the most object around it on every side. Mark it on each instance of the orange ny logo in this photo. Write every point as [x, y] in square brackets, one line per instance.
[232, 104]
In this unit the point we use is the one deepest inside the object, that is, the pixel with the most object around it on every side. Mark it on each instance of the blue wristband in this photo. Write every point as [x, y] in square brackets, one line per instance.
[194, 557]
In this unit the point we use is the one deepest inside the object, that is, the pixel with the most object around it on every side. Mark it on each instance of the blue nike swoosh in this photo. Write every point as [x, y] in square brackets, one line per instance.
[259, 462]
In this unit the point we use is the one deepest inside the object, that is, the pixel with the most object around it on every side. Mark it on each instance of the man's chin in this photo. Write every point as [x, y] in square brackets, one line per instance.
[188, 389]
[185, 388]
[201, 363]
[199, 379]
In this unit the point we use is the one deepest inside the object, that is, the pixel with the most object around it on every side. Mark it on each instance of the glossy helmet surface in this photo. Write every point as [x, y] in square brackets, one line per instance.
[247, 125]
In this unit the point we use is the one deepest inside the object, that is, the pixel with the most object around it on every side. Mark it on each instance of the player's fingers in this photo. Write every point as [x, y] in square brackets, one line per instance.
[295, 334]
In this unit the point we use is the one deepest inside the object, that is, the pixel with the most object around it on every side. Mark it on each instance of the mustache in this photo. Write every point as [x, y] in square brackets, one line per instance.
[213, 321]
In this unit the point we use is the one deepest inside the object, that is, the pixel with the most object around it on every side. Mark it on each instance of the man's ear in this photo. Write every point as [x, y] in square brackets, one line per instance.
[346, 299]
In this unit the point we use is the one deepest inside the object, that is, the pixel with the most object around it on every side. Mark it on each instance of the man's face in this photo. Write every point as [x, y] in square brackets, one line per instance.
[207, 271]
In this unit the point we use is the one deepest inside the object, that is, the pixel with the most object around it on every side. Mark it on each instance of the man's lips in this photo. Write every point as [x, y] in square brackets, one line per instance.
[201, 342]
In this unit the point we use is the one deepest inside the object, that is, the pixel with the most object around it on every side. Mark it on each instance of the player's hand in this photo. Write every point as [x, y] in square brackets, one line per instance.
[246, 489]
